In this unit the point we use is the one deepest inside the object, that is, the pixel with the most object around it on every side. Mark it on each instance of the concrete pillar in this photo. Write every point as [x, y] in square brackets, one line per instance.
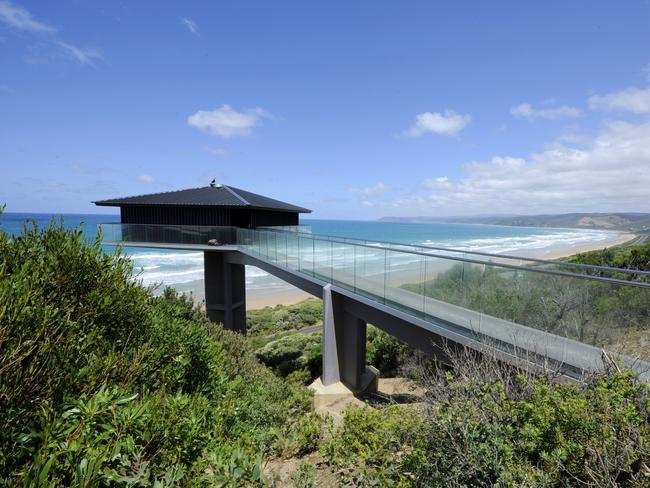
[344, 346]
[225, 291]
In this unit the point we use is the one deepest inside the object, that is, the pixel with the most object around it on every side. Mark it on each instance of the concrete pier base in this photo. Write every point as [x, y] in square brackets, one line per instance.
[336, 395]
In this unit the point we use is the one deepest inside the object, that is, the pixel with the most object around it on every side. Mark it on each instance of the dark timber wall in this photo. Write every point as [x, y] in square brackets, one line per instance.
[191, 215]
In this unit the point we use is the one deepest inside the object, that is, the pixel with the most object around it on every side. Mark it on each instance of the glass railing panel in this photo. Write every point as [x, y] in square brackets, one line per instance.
[273, 246]
[111, 232]
[269, 243]
[259, 243]
[489, 301]
[250, 240]
[370, 276]
[307, 252]
[153, 233]
[492, 258]
[401, 269]
[281, 250]
[293, 251]
[343, 265]
[323, 259]
[443, 293]
[264, 248]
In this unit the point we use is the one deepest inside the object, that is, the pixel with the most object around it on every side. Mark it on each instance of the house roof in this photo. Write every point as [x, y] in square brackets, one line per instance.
[207, 196]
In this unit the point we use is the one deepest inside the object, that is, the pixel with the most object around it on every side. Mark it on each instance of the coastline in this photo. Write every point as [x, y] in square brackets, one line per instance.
[556, 253]
[285, 294]
[256, 298]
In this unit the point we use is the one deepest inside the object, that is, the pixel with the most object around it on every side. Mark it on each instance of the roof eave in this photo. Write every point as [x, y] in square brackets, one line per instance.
[108, 203]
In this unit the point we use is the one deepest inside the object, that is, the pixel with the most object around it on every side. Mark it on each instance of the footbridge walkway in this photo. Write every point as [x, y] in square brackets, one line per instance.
[530, 312]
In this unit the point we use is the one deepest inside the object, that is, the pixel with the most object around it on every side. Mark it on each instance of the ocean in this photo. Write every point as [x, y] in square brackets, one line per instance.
[184, 270]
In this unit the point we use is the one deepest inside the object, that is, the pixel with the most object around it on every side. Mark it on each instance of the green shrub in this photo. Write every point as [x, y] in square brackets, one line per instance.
[479, 432]
[298, 357]
[285, 317]
[385, 352]
[304, 476]
[294, 352]
[102, 383]
[630, 257]
[378, 447]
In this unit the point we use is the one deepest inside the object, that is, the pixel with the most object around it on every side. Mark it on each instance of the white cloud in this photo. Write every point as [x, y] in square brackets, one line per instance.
[145, 179]
[371, 196]
[369, 191]
[435, 183]
[448, 123]
[20, 18]
[81, 55]
[226, 122]
[531, 113]
[608, 172]
[215, 151]
[636, 100]
[190, 24]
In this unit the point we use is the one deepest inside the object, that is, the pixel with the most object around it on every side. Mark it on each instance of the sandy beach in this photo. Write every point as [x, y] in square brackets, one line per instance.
[275, 293]
[255, 298]
[560, 251]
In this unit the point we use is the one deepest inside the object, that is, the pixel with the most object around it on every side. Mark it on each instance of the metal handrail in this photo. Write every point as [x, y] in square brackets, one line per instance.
[317, 237]
[639, 284]
[481, 253]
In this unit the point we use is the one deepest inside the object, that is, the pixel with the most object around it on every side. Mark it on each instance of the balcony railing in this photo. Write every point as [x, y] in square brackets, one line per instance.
[504, 299]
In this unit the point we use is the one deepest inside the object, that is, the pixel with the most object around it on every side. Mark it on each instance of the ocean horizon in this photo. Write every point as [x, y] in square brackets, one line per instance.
[184, 269]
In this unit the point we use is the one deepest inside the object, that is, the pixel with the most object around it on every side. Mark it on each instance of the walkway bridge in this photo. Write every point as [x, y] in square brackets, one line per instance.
[529, 312]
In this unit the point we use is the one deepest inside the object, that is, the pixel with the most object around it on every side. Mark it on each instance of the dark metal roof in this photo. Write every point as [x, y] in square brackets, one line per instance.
[207, 196]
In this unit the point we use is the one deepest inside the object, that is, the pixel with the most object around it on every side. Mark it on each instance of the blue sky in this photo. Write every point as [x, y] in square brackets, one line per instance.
[354, 109]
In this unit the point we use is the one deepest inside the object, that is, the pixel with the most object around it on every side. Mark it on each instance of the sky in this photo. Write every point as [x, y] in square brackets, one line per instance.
[356, 110]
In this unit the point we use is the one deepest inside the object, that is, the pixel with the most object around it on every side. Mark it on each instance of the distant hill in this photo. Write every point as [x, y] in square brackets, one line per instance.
[632, 222]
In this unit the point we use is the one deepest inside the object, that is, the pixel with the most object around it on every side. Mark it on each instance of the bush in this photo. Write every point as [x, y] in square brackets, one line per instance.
[485, 425]
[378, 447]
[294, 352]
[630, 257]
[285, 317]
[102, 383]
[385, 352]
[304, 476]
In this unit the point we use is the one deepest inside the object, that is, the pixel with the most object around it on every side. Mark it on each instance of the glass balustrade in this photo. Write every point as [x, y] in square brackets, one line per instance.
[486, 297]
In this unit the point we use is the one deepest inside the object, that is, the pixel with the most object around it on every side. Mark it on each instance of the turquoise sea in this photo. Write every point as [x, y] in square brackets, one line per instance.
[177, 268]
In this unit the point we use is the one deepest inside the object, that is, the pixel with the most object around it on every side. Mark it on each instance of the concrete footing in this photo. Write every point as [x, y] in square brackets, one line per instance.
[327, 397]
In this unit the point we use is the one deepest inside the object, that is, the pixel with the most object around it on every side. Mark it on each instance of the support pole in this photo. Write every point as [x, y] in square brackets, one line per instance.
[344, 346]
[225, 291]
[330, 353]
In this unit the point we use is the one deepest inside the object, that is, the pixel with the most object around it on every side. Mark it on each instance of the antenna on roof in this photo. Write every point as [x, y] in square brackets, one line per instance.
[213, 183]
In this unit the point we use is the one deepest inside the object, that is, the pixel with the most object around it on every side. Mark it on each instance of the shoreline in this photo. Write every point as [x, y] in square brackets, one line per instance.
[556, 253]
[285, 294]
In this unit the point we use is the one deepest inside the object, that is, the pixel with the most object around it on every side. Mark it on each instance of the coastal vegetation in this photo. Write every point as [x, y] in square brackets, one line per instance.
[295, 353]
[101, 383]
[598, 313]
[104, 384]
[481, 424]
[629, 257]
[284, 317]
